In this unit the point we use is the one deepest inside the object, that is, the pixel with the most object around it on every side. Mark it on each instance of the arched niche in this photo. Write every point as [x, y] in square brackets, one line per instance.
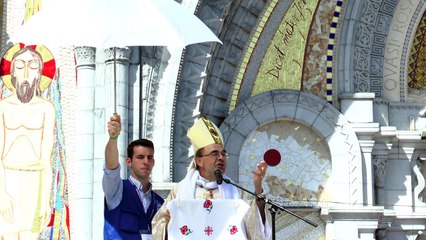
[345, 180]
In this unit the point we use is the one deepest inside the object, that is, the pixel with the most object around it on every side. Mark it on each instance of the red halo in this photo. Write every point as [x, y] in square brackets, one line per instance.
[49, 65]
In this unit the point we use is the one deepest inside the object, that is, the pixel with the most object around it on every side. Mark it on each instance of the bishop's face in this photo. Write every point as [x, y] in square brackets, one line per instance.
[27, 74]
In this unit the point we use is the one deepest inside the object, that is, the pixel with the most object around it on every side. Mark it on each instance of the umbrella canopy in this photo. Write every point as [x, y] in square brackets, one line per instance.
[113, 23]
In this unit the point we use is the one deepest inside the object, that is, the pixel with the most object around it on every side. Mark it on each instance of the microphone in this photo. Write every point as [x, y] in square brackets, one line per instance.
[272, 157]
[219, 177]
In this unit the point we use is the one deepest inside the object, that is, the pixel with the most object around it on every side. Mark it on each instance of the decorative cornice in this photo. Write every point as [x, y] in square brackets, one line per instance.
[404, 105]
[381, 101]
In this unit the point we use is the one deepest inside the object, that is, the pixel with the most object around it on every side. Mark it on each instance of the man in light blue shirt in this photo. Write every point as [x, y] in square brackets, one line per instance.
[130, 204]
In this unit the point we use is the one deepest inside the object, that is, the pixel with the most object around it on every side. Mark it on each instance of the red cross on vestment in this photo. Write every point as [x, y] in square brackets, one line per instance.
[208, 230]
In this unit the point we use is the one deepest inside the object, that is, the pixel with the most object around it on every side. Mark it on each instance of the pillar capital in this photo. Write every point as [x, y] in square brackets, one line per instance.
[122, 54]
[85, 56]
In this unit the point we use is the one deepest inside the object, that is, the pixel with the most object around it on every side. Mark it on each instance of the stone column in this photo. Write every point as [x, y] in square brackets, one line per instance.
[365, 133]
[368, 178]
[121, 80]
[82, 206]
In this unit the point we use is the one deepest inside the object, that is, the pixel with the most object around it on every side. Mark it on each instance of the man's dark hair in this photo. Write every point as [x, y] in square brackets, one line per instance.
[198, 153]
[139, 142]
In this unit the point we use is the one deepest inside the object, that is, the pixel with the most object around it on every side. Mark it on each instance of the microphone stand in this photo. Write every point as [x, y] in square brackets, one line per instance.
[274, 207]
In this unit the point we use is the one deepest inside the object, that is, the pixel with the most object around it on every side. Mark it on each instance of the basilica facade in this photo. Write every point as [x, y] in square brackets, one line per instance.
[337, 87]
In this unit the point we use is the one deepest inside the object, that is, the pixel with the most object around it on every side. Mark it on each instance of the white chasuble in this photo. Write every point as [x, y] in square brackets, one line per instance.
[204, 219]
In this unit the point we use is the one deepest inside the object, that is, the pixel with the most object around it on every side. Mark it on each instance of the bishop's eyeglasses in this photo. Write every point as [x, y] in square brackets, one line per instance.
[216, 154]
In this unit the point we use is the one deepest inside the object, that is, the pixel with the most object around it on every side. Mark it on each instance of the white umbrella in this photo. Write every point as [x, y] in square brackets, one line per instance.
[113, 23]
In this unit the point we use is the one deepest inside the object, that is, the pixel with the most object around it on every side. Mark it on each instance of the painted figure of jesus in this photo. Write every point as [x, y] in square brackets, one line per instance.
[27, 125]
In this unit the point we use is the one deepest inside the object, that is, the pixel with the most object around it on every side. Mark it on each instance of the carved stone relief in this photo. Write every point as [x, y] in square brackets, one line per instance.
[370, 43]
[379, 170]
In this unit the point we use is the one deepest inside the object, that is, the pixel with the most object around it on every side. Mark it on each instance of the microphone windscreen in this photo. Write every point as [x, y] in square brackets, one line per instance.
[218, 175]
[272, 157]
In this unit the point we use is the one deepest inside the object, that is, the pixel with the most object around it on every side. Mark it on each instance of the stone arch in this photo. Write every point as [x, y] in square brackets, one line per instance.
[408, 63]
[312, 111]
[362, 50]
[232, 21]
